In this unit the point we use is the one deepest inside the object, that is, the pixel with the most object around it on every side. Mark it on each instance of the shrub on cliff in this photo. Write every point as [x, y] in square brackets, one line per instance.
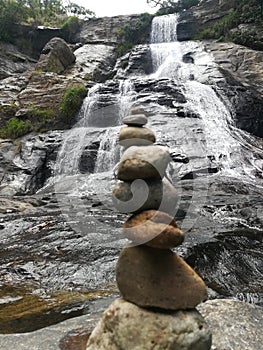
[248, 12]
[171, 6]
[11, 13]
[15, 128]
[70, 27]
[47, 13]
[134, 34]
[71, 102]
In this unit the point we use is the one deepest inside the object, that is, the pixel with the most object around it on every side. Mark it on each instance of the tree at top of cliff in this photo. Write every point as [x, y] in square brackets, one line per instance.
[176, 5]
[36, 12]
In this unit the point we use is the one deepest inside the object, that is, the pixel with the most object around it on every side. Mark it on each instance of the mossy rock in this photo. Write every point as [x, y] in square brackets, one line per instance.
[27, 312]
[71, 102]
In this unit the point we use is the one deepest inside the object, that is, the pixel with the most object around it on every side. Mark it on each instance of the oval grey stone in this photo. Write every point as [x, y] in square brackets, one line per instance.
[136, 136]
[134, 197]
[145, 162]
[135, 120]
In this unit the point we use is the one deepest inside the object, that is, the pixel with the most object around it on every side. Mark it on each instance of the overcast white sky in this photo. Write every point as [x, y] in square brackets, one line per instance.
[116, 7]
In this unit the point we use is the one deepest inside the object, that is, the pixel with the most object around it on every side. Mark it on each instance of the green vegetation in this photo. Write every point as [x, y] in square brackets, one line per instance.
[11, 12]
[70, 27]
[171, 6]
[38, 12]
[244, 12]
[41, 119]
[15, 128]
[133, 34]
[71, 102]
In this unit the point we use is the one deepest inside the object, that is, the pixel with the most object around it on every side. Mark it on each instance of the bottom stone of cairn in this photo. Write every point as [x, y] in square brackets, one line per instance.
[127, 326]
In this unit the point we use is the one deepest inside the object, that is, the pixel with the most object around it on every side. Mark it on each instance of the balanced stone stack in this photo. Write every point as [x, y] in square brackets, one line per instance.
[159, 290]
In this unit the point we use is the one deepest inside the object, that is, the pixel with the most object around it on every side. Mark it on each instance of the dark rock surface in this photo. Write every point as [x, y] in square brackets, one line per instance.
[12, 61]
[26, 164]
[137, 61]
[104, 30]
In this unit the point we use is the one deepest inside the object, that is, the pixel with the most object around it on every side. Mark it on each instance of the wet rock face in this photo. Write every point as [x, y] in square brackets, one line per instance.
[88, 158]
[27, 164]
[138, 61]
[242, 69]
[126, 326]
[94, 62]
[104, 30]
[13, 61]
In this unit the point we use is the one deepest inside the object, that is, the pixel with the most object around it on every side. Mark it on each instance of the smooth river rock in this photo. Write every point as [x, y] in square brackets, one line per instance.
[145, 162]
[127, 326]
[151, 277]
[154, 228]
[136, 136]
[135, 120]
[132, 197]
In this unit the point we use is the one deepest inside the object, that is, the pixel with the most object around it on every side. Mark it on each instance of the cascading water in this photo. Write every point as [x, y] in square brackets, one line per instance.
[108, 152]
[90, 122]
[237, 155]
[173, 60]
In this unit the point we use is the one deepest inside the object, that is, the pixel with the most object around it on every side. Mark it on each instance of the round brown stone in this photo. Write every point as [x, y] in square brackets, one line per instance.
[153, 228]
[136, 136]
[151, 277]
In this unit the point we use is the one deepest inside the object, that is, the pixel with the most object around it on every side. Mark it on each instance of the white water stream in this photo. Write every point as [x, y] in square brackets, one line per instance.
[229, 146]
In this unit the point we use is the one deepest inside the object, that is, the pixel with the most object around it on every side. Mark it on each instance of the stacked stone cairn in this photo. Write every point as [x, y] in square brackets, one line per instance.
[159, 290]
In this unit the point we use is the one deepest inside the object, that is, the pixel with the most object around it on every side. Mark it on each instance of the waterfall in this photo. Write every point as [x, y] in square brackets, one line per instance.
[164, 29]
[126, 97]
[224, 142]
[91, 121]
[109, 151]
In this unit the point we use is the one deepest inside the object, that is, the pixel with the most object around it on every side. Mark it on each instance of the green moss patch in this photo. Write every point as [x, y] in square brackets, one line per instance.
[15, 128]
[71, 102]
